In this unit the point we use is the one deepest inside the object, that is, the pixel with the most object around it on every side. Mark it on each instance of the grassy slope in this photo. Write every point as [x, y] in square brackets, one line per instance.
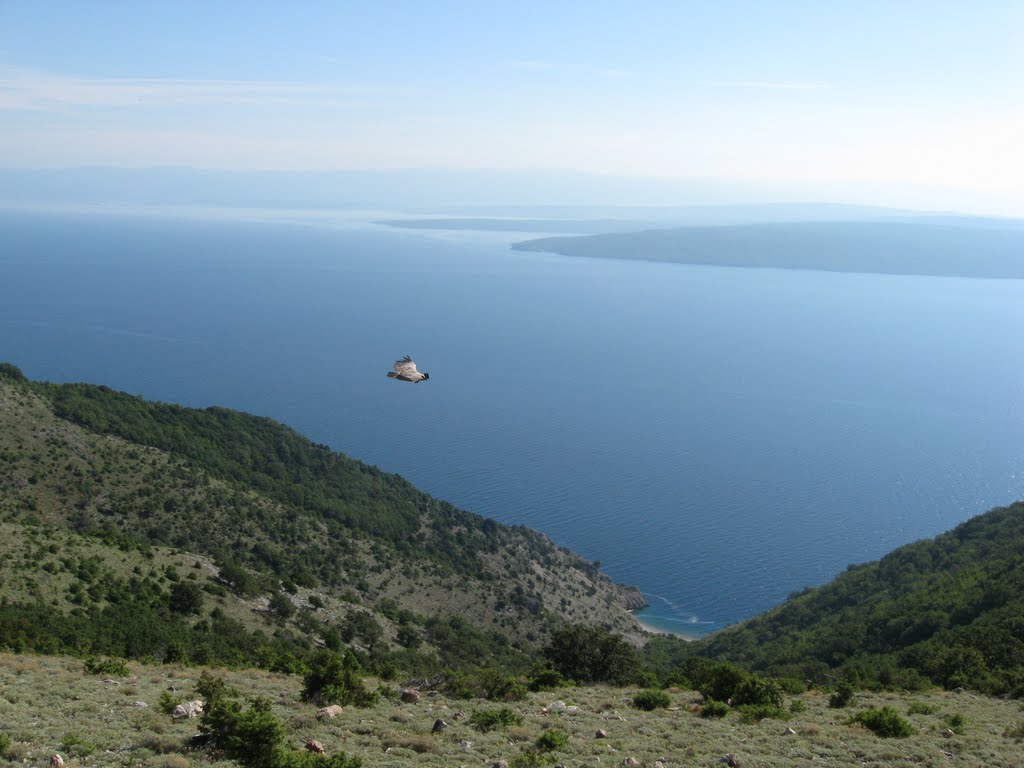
[47, 704]
[61, 479]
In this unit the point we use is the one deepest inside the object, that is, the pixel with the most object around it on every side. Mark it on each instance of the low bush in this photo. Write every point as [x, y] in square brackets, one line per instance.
[758, 692]
[884, 722]
[551, 740]
[797, 706]
[490, 719]
[97, 666]
[651, 699]
[712, 708]
[334, 678]
[168, 701]
[956, 722]
[920, 708]
[842, 696]
[755, 713]
[547, 680]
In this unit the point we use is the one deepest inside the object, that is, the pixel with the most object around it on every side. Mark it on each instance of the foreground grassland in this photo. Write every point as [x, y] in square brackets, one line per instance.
[49, 704]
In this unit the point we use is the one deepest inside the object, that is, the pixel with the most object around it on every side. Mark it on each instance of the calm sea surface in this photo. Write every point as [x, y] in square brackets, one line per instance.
[719, 437]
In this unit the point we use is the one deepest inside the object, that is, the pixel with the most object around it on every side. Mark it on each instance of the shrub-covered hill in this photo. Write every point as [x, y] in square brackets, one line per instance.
[133, 497]
[950, 609]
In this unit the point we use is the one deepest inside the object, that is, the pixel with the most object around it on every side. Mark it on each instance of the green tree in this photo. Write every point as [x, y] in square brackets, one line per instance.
[186, 598]
[592, 655]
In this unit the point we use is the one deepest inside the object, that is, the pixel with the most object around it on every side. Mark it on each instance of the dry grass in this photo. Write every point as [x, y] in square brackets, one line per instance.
[47, 703]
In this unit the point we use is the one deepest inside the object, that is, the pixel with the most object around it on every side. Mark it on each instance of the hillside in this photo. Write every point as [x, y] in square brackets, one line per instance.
[948, 610]
[940, 246]
[47, 705]
[112, 506]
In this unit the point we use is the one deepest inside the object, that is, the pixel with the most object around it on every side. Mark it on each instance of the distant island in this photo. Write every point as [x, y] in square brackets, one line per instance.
[939, 246]
[579, 226]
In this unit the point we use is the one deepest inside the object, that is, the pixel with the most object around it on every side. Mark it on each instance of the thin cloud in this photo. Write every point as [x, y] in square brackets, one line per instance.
[30, 90]
[533, 64]
[766, 84]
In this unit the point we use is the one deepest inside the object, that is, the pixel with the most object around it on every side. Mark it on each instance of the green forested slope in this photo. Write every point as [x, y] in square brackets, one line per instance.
[312, 543]
[950, 609]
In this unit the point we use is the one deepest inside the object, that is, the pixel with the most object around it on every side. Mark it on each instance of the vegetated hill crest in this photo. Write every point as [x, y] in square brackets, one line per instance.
[128, 491]
[949, 610]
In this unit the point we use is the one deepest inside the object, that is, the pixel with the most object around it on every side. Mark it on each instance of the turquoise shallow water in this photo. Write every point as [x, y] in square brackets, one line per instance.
[718, 437]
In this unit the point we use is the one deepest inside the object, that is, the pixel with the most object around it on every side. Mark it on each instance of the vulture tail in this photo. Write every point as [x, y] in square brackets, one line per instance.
[392, 374]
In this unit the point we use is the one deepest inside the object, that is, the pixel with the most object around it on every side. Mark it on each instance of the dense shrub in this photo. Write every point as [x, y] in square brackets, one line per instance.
[592, 655]
[551, 740]
[186, 598]
[253, 735]
[712, 708]
[490, 719]
[651, 699]
[547, 680]
[756, 691]
[885, 722]
[920, 708]
[715, 679]
[334, 678]
[842, 696]
[5, 742]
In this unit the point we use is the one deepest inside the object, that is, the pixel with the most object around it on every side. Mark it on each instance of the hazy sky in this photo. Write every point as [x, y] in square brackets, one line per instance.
[895, 102]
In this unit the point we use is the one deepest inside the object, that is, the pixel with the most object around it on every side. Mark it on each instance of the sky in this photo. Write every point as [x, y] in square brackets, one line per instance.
[916, 104]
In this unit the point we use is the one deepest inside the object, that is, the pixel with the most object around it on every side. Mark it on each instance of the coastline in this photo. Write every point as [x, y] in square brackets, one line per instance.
[658, 630]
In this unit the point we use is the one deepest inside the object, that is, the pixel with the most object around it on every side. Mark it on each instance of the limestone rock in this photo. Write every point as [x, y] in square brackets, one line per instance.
[315, 747]
[326, 713]
[731, 760]
[187, 709]
[601, 734]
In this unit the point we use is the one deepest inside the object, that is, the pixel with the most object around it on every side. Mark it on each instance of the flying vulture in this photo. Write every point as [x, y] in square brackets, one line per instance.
[405, 370]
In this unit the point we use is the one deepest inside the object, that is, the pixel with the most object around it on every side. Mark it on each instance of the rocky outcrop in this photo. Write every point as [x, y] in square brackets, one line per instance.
[632, 598]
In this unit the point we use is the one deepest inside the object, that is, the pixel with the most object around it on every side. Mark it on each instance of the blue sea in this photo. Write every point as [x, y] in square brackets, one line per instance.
[718, 437]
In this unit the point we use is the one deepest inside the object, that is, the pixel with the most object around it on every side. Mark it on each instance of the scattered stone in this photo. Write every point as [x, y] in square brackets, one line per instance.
[659, 764]
[731, 760]
[632, 762]
[439, 725]
[556, 706]
[326, 713]
[56, 762]
[315, 747]
[409, 696]
[458, 715]
[789, 732]
[958, 690]
[500, 764]
[601, 734]
[140, 704]
[572, 708]
[188, 709]
[466, 746]
[949, 733]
